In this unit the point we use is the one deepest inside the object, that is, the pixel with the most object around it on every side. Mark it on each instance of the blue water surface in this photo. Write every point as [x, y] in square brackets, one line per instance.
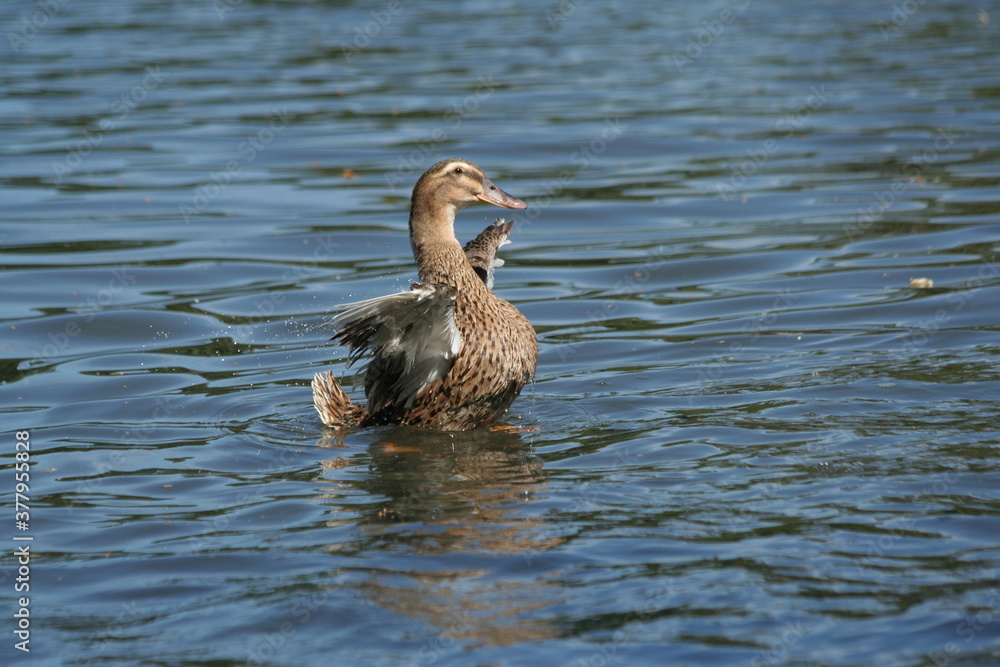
[760, 256]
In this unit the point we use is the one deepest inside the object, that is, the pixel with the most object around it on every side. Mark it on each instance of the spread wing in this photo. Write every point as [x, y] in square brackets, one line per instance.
[412, 339]
[482, 250]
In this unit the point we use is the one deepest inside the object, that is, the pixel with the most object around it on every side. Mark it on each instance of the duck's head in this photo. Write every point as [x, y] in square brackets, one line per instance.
[456, 183]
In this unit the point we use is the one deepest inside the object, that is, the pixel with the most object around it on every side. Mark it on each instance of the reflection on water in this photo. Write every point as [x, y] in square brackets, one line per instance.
[464, 605]
[462, 489]
[442, 493]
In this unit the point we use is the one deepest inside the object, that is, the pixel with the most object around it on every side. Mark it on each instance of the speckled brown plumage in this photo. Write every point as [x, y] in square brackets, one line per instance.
[449, 354]
[482, 250]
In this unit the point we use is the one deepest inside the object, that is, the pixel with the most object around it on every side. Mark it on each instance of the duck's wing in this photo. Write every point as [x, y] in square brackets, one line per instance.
[482, 250]
[412, 339]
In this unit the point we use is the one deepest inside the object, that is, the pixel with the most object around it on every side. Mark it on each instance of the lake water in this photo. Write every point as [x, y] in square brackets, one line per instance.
[751, 440]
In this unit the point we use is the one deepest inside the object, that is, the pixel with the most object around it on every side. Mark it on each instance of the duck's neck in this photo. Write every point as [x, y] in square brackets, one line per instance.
[439, 255]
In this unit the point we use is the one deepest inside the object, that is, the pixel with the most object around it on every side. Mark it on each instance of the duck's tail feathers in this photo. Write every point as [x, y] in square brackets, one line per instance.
[334, 406]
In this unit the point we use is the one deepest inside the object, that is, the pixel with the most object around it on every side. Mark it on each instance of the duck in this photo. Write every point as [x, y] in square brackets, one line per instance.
[447, 354]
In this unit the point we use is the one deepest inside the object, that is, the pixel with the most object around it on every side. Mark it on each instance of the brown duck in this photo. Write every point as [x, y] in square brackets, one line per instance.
[448, 354]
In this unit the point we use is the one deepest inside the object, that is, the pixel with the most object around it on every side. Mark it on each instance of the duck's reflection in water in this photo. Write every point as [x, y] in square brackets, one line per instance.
[444, 498]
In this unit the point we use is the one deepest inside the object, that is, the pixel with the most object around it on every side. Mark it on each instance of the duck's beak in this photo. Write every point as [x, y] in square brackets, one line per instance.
[491, 194]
